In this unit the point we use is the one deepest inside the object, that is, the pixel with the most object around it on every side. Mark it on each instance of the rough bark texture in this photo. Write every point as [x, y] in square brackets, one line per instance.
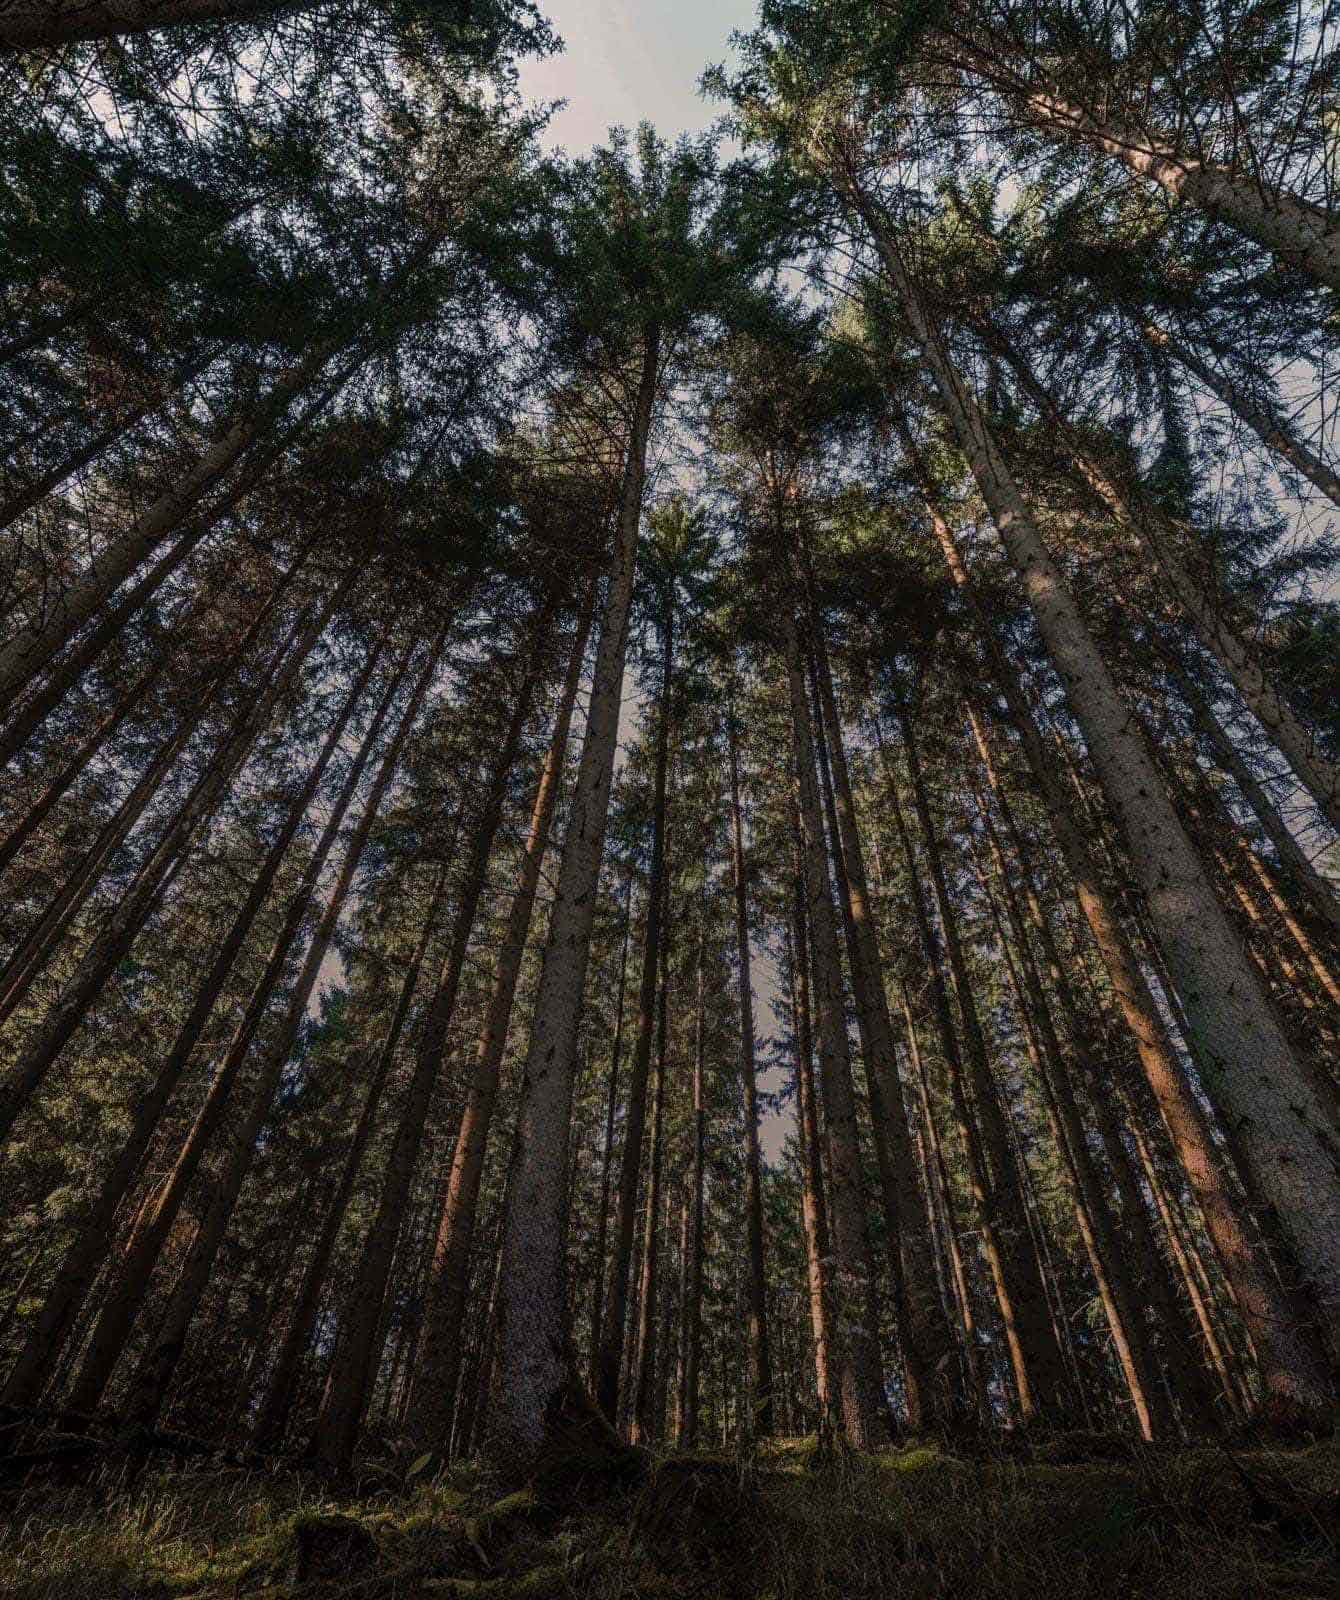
[529, 1415]
[1286, 1362]
[439, 1355]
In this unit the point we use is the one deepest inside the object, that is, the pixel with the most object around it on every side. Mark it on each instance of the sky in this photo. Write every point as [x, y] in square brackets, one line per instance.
[628, 61]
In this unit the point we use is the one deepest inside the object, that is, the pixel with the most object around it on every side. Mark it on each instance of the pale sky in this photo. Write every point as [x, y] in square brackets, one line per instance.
[625, 63]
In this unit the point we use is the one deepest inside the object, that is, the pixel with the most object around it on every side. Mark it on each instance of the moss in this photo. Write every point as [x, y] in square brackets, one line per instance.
[910, 1521]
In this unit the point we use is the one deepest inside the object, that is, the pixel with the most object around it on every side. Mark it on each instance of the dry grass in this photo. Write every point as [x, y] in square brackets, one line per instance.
[916, 1522]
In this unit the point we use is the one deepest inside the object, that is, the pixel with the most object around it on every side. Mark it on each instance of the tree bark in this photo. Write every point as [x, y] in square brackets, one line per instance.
[760, 1362]
[856, 1354]
[1319, 894]
[47, 24]
[1282, 1350]
[535, 1371]
[1272, 432]
[25, 657]
[437, 1370]
[75, 1273]
[120, 1310]
[1259, 1079]
[607, 1150]
[608, 1393]
[813, 1201]
[349, 1382]
[642, 1418]
[119, 931]
[276, 1405]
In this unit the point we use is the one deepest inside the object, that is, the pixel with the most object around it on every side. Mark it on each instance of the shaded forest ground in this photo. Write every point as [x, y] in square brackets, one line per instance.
[1055, 1519]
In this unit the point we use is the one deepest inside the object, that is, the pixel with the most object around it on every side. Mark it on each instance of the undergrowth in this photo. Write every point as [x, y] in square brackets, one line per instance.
[800, 1526]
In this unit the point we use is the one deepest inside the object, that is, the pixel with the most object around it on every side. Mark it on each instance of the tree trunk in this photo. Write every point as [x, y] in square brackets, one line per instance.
[925, 1337]
[119, 931]
[1040, 1374]
[33, 494]
[1287, 1365]
[1093, 1215]
[1317, 891]
[536, 1376]
[607, 1150]
[1141, 1255]
[693, 1244]
[76, 1270]
[25, 657]
[856, 1354]
[760, 1363]
[120, 1310]
[813, 1200]
[641, 1411]
[1272, 432]
[608, 1393]
[1295, 230]
[953, 1249]
[351, 1374]
[437, 1370]
[1259, 1080]
[276, 1406]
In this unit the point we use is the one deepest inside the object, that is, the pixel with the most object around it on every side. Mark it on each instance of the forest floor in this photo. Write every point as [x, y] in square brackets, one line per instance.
[1056, 1520]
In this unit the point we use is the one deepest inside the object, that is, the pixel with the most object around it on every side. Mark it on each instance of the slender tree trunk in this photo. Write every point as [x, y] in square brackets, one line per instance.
[1275, 434]
[608, 1394]
[536, 1368]
[641, 1411]
[1141, 1257]
[607, 1151]
[1042, 1388]
[944, 1189]
[32, 494]
[121, 1308]
[119, 931]
[437, 1371]
[1093, 1216]
[1320, 894]
[281, 1389]
[349, 1381]
[760, 1363]
[25, 657]
[73, 664]
[926, 1343]
[693, 1243]
[1258, 1078]
[856, 1354]
[814, 1208]
[75, 1273]
[1286, 1362]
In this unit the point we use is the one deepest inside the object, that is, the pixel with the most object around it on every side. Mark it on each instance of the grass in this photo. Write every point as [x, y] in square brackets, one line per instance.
[914, 1522]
